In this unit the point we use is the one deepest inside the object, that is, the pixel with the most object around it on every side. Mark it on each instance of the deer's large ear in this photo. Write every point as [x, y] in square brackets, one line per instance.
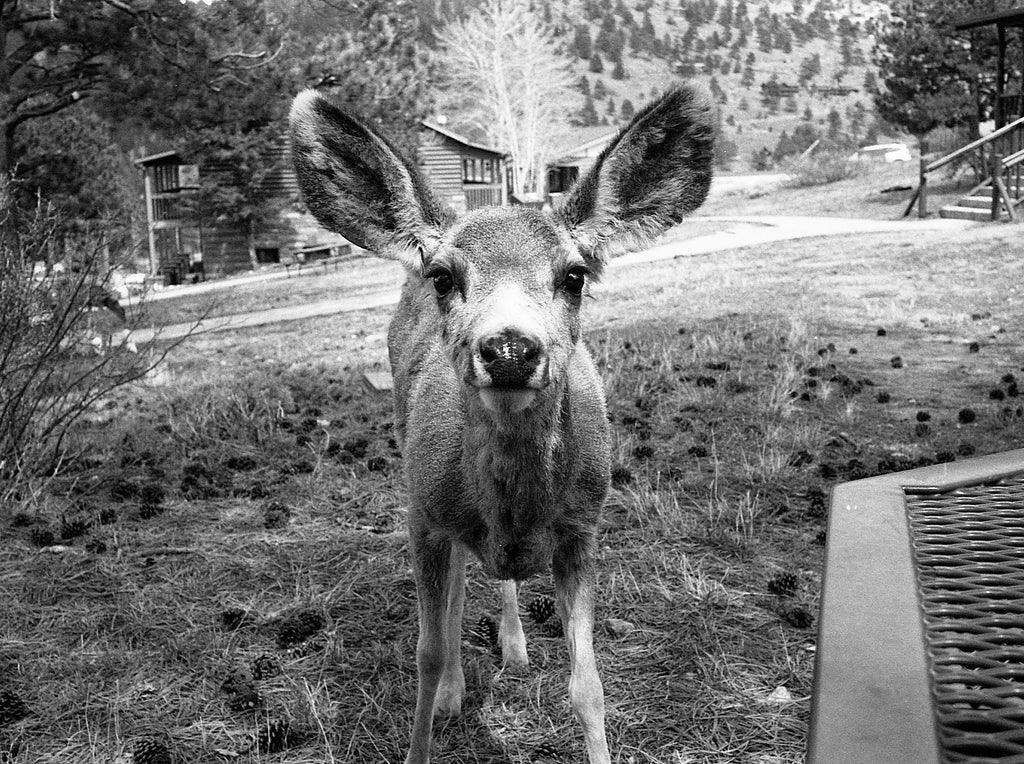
[357, 184]
[653, 173]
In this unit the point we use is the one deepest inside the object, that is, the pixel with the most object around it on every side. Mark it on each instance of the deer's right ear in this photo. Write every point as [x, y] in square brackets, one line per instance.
[357, 184]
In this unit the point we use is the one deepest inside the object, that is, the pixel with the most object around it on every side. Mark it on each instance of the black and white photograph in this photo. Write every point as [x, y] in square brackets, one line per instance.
[511, 382]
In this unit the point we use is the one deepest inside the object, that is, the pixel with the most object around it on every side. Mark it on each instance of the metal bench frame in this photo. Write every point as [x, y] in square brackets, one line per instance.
[873, 699]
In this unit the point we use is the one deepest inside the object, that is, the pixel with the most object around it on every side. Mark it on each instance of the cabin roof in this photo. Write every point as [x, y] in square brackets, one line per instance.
[158, 157]
[574, 148]
[437, 128]
[1010, 18]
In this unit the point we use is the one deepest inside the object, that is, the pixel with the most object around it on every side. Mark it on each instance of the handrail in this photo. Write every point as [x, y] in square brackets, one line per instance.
[1014, 159]
[975, 145]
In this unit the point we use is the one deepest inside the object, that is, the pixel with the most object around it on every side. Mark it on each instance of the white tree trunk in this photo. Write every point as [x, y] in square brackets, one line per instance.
[506, 74]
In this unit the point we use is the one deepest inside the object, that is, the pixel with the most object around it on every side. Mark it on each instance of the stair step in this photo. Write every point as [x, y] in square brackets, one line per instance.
[968, 213]
[978, 202]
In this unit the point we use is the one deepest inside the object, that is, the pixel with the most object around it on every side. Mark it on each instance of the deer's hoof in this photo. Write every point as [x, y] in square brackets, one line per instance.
[448, 702]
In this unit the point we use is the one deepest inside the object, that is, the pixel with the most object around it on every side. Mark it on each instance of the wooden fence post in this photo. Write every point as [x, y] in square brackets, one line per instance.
[996, 169]
[922, 197]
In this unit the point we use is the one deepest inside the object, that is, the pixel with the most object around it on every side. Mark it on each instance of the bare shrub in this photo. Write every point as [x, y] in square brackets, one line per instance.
[820, 168]
[60, 350]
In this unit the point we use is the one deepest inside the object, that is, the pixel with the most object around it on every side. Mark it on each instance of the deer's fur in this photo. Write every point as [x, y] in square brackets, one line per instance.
[498, 405]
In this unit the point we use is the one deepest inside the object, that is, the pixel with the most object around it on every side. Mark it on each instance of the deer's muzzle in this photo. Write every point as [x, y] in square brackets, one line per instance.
[511, 360]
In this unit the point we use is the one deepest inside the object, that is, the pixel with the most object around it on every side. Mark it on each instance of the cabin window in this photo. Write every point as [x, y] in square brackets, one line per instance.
[478, 171]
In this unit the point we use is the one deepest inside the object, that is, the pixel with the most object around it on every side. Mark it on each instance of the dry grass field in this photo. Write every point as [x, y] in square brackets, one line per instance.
[222, 571]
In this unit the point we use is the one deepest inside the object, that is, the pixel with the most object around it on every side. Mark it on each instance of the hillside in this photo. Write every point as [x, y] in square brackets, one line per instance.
[775, 67]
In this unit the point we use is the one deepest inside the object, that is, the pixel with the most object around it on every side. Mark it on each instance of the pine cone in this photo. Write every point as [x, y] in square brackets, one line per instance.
[149, 751]
[485, 633]
[233, 618]
[12, 707]
[784, 585]
[273, 736]
[298, 627]
[265, 667]
[546, 752]
[541, 608]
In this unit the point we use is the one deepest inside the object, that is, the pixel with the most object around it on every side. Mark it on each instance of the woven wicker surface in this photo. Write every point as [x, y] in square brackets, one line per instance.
[968, 547]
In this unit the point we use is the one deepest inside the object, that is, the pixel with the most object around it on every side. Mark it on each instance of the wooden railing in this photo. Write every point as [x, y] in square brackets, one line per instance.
[479, 195]
[1000, 153]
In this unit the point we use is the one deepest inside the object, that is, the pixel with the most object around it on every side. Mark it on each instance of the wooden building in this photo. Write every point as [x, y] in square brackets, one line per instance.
[1009, 76]
[997, 156]
[182, 247]
[575, 157]
[465, 174]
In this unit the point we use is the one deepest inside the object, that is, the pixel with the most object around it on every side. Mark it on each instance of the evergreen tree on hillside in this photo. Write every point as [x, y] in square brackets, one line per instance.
[607, 40]
[870, 81]
[835, 125]
[748, 71]
[618, 71]
[819, 22]
[647, 33]
[725, 15]
[588, 116]
[627, 110]
[623, 12]
[596, 64]
[600, 90]
[783, 40]
[810, 68]
[581, 43]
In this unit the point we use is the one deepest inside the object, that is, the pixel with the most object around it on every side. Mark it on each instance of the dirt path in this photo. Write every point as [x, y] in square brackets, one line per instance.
[738, 231]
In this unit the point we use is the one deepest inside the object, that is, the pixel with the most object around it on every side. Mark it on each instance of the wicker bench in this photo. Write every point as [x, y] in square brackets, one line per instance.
[317, 254]
[921, 640]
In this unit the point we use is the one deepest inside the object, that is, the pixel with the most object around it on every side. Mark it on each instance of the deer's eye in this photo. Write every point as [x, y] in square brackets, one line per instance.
[574, 280]
[443, 282]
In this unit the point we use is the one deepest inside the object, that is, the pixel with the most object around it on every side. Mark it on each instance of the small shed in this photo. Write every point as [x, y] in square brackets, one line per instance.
[465, 174]
[575, 156]
[182, 247]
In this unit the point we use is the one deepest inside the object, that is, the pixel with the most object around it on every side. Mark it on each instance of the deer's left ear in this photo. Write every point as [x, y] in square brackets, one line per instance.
[655, 171]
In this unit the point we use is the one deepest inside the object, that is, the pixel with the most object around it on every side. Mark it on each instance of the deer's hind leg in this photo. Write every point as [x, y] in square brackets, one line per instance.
[511, 637]
[439, 567]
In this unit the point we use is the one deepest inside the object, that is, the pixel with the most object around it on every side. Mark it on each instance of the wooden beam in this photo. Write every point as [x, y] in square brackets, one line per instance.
[1001, 76]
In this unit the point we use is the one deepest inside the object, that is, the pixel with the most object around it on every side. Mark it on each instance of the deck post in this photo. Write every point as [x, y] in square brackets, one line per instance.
[996, 170]
[922, 196]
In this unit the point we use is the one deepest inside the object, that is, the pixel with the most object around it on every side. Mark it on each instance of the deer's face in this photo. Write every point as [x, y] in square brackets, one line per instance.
[508, 285]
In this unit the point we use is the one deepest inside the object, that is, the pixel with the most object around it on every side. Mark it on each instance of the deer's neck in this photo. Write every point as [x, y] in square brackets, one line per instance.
[513, 468]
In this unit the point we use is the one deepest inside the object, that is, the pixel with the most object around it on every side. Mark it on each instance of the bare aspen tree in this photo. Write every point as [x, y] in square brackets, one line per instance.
[504, 71]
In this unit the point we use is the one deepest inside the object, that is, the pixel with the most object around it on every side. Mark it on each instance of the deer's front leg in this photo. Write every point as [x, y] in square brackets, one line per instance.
[574, 593]
[432, 558]
[448, 701]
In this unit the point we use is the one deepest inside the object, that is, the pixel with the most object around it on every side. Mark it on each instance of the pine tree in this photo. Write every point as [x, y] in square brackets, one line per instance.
[588, 116]
[581, 43]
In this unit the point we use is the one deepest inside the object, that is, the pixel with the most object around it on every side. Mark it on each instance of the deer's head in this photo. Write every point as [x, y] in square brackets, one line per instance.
[507, 282]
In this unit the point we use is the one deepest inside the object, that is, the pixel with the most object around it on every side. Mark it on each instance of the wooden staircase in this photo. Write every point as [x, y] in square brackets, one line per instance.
[977, 205]
[1002, 153]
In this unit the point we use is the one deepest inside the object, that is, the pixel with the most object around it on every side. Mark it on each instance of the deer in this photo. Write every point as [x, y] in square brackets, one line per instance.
[499, 409]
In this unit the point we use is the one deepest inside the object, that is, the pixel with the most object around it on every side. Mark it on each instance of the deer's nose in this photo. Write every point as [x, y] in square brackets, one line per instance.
[510, 358]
